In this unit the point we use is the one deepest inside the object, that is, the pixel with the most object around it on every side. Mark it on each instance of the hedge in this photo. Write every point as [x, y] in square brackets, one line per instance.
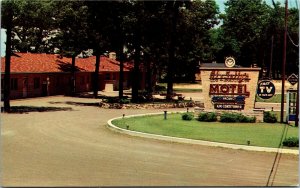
[291, 142]
[270, 117]
[187, 116]
[236, 117]
[207, 117]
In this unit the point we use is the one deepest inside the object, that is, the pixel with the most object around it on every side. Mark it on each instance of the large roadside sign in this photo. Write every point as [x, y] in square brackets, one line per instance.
[265, 89]
[293, 79]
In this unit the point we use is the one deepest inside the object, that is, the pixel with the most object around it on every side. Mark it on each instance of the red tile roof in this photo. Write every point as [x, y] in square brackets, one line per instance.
[37, 63]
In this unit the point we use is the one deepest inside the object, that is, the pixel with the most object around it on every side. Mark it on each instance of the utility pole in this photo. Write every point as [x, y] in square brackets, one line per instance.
[298, 97]
[271, 58]
[283, 62]
[297, 104]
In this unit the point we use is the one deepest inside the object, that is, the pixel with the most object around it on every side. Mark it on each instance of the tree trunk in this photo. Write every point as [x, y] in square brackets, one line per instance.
[73, 79]
[7, 63]
[39, 40]
[149, 78]
[96, 76]
[170, 73]
[136, 80]
[120, 45]
[121, 75]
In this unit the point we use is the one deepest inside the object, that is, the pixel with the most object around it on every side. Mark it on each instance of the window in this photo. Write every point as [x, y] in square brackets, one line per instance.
[107, 76]
[36, 83]
[14, 83]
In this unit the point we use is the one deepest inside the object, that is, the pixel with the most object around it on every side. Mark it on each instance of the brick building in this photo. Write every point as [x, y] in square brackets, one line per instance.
[34, 75]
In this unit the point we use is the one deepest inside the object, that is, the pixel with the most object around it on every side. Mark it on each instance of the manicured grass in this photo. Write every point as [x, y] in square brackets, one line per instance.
[275, 99]
[259, 134]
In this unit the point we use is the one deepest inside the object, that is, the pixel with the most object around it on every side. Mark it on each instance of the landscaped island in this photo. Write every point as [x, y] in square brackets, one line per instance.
[259, 134]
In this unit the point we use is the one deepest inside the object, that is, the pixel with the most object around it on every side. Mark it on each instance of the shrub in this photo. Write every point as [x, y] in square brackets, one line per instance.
[229, 117]
[246, 119]
[116, 100]
[251, 119]
[207, 116]
[124, 101]
[187, 116]
[112, 100]
[236, 117]
[291, 142]
[270, 117]
[160, 88]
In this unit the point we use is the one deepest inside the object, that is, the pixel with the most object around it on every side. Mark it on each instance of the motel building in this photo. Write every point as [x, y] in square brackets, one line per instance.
[36, 75]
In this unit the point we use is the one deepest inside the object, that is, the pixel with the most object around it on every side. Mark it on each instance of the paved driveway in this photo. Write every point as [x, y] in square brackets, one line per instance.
[74, 148]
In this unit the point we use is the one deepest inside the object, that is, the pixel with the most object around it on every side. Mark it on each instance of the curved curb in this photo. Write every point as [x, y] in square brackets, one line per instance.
[192, 141]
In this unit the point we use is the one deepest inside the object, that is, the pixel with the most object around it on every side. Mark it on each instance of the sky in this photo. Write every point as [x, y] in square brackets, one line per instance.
[292, 3]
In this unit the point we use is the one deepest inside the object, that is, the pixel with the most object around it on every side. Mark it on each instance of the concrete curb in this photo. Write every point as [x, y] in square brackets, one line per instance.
[191, 141]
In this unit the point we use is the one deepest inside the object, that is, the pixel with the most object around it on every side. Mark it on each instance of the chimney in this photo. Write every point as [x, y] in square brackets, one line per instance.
[112, 55]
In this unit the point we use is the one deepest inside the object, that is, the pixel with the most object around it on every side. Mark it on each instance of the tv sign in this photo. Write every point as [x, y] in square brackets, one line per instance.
[265, 89]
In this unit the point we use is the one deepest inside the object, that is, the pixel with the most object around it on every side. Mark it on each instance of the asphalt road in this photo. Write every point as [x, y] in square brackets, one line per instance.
[75, 148]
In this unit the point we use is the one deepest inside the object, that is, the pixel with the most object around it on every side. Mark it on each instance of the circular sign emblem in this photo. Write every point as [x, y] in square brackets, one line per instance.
[265, 89]
[229, 62]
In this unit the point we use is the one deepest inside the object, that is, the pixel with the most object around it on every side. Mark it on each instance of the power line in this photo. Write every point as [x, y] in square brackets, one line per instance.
[296, 45]
[280, 154]
[277, 156]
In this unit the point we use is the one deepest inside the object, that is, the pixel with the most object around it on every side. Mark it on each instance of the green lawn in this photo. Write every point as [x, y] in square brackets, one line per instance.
[275, 99]
[259, 134]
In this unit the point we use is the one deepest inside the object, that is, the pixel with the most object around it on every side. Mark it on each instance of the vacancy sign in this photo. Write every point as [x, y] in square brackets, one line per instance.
[293, 79]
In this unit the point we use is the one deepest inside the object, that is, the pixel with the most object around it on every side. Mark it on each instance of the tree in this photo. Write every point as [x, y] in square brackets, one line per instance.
[246, 23]
[118, 32]
[8, 13]
[100, 27]
[172, 8]
[155, 37]
[31, 33]
[27, 24]
[137, 31]
[252, 32]
[274, 41]
[193, 41]
[73, 38]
